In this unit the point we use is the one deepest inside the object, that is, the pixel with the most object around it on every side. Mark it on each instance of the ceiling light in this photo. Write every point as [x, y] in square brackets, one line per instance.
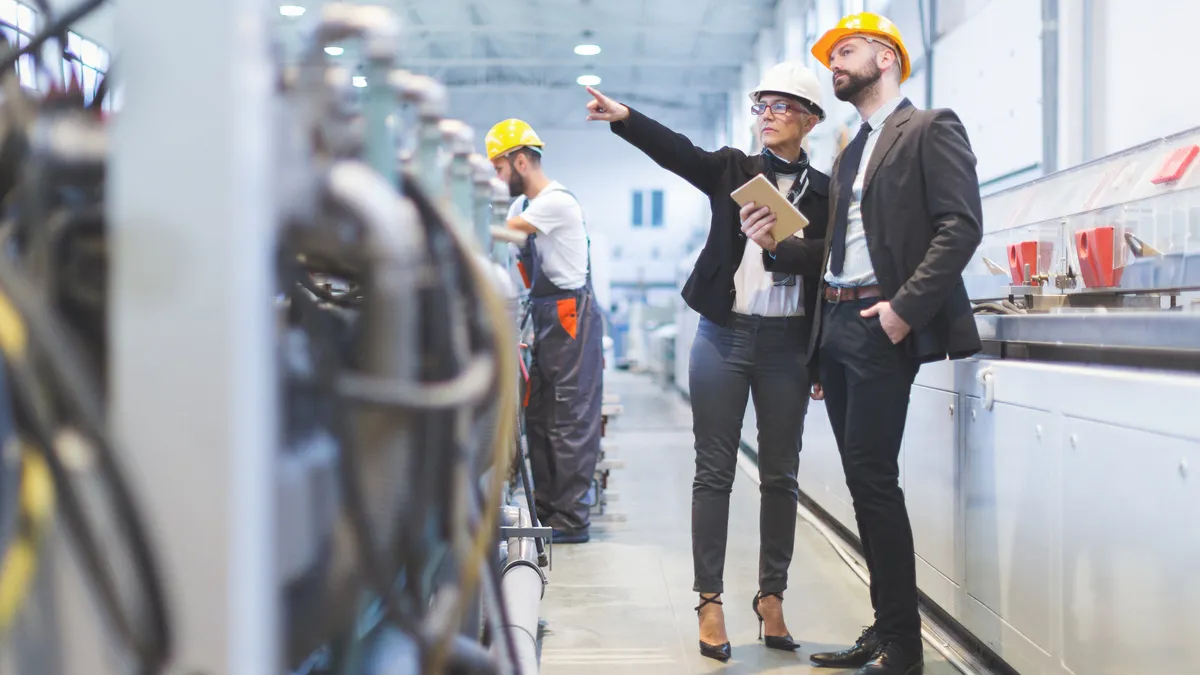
[334, 51]
[588, 80]
[587, 50]
[291, 10]
[359, 81]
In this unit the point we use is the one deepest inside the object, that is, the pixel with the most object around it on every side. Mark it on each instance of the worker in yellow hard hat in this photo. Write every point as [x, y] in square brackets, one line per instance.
[565, 380]
[887, 304]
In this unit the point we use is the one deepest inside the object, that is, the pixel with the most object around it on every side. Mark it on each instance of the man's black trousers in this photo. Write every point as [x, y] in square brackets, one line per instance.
[867, 381]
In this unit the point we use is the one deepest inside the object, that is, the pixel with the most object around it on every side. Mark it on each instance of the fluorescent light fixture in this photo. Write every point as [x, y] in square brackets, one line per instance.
[587, 50]
[359, 81]
[335, 51]
[291, 10]
[588, 80]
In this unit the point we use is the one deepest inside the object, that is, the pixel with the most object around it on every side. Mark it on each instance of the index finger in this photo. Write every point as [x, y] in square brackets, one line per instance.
[599, 97]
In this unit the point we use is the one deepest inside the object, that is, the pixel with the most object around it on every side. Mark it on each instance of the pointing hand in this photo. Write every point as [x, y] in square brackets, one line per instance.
[603, 109]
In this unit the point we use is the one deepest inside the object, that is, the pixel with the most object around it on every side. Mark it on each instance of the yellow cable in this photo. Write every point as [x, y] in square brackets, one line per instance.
[503, 443]
[20, 560]
[13, 335]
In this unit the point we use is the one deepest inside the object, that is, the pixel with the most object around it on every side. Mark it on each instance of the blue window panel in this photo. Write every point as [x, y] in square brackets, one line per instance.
[656, 208]
[637, 209]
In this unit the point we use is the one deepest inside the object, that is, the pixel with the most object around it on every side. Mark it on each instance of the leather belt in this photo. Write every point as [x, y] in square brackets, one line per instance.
[843, 294]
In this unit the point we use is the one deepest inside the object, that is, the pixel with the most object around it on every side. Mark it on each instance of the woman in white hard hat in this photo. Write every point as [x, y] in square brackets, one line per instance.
[753, 332]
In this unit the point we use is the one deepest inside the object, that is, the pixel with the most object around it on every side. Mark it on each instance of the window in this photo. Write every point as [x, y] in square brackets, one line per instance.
[86, 61]
[637, 208]
[656, 208]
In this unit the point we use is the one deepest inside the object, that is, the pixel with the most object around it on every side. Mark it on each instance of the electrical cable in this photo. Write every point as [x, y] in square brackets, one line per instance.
[19, 565]
[470, 387]
[494, 311]
[25, 323]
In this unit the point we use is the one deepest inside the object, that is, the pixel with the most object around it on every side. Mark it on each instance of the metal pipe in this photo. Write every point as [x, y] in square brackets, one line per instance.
[501, 200]
[460, 140]
[430, 99]
[1087, 73]
[483, 173]
[522, 587]
[391, 323]
[1049, 86]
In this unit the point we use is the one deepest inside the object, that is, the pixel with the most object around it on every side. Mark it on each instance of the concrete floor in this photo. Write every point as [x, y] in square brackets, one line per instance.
[623, 602]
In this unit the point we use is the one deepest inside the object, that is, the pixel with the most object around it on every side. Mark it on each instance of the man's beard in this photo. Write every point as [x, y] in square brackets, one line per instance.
[516, 184]
[856, 83]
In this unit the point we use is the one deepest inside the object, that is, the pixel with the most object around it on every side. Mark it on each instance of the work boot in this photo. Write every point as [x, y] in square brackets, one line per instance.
[570, 537]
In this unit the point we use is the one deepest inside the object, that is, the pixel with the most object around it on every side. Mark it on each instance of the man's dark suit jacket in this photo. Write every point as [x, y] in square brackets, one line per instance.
[923, 218]
[709, 290]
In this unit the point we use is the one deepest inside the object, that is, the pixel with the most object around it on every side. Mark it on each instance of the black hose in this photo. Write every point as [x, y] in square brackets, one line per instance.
[77, 393]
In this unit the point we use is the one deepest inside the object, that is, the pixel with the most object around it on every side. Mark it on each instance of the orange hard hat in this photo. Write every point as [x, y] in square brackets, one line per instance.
[866, 25]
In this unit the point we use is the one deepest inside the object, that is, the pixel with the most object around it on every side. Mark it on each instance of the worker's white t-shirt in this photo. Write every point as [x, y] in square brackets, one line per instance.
[561, 238]
[756, 291]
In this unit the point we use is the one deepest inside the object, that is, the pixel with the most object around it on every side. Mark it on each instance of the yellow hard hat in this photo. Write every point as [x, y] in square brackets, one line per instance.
[510, 135]
[868, 25]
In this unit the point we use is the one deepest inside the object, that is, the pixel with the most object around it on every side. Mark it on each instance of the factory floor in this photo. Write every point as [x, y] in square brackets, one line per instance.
[622, 604]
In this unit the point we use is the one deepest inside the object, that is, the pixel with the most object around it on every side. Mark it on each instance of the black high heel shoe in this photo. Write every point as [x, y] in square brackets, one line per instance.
[719, 652]
[784, 643]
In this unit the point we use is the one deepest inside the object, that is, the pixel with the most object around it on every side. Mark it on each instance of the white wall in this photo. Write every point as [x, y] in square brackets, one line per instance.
[603, 171]
[1148, 90]
[987, 66]
[989, 70]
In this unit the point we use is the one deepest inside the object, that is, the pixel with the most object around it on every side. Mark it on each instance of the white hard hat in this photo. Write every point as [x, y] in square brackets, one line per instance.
[792, 78]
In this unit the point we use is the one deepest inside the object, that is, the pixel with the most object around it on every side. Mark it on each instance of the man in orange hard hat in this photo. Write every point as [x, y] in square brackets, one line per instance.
[566, 376]
[888, 303]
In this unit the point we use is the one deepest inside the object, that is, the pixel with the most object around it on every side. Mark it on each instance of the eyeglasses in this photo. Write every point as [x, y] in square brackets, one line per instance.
[776, 108]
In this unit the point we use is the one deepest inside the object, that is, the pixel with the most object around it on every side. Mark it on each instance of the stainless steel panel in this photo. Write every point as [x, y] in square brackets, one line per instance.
[1178, 331]
[1011, 479]
[821, 477]
[1130, 591]
[931, 466]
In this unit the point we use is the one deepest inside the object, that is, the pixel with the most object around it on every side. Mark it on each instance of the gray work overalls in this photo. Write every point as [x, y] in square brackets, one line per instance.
[565, 393]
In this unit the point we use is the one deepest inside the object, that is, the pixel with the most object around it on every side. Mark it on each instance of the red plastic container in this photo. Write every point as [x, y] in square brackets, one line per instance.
[1019, 255]
[1096, 248]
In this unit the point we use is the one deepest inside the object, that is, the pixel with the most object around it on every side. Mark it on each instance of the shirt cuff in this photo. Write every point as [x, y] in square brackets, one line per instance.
[771, 254]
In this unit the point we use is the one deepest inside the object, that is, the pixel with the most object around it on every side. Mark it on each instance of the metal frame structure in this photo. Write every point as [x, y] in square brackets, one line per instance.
[194, 394]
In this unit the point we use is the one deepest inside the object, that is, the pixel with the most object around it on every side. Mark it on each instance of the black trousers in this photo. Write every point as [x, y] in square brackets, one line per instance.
[867, 381]
[563, 416]
[763, 357]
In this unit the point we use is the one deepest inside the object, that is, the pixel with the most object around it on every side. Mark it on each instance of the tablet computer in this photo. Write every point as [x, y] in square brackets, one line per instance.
[788, 219]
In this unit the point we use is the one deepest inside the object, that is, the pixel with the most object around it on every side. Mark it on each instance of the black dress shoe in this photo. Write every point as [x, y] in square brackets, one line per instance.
[854, 657]
[892, 659]
[720, 652]
[784, 643]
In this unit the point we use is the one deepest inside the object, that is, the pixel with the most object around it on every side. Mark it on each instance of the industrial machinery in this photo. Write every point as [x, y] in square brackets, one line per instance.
[305, 331]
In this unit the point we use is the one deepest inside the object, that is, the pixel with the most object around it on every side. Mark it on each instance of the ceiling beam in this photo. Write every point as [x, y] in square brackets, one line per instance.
[614, 90]
[631, 28]
[590, 64]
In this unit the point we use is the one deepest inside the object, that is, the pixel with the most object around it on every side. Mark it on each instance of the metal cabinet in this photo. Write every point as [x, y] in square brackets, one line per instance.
[931, 461]
[1010, 496]
[1130, 549]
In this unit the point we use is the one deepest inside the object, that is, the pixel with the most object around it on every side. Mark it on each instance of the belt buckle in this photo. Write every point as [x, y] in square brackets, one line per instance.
[839, 294]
